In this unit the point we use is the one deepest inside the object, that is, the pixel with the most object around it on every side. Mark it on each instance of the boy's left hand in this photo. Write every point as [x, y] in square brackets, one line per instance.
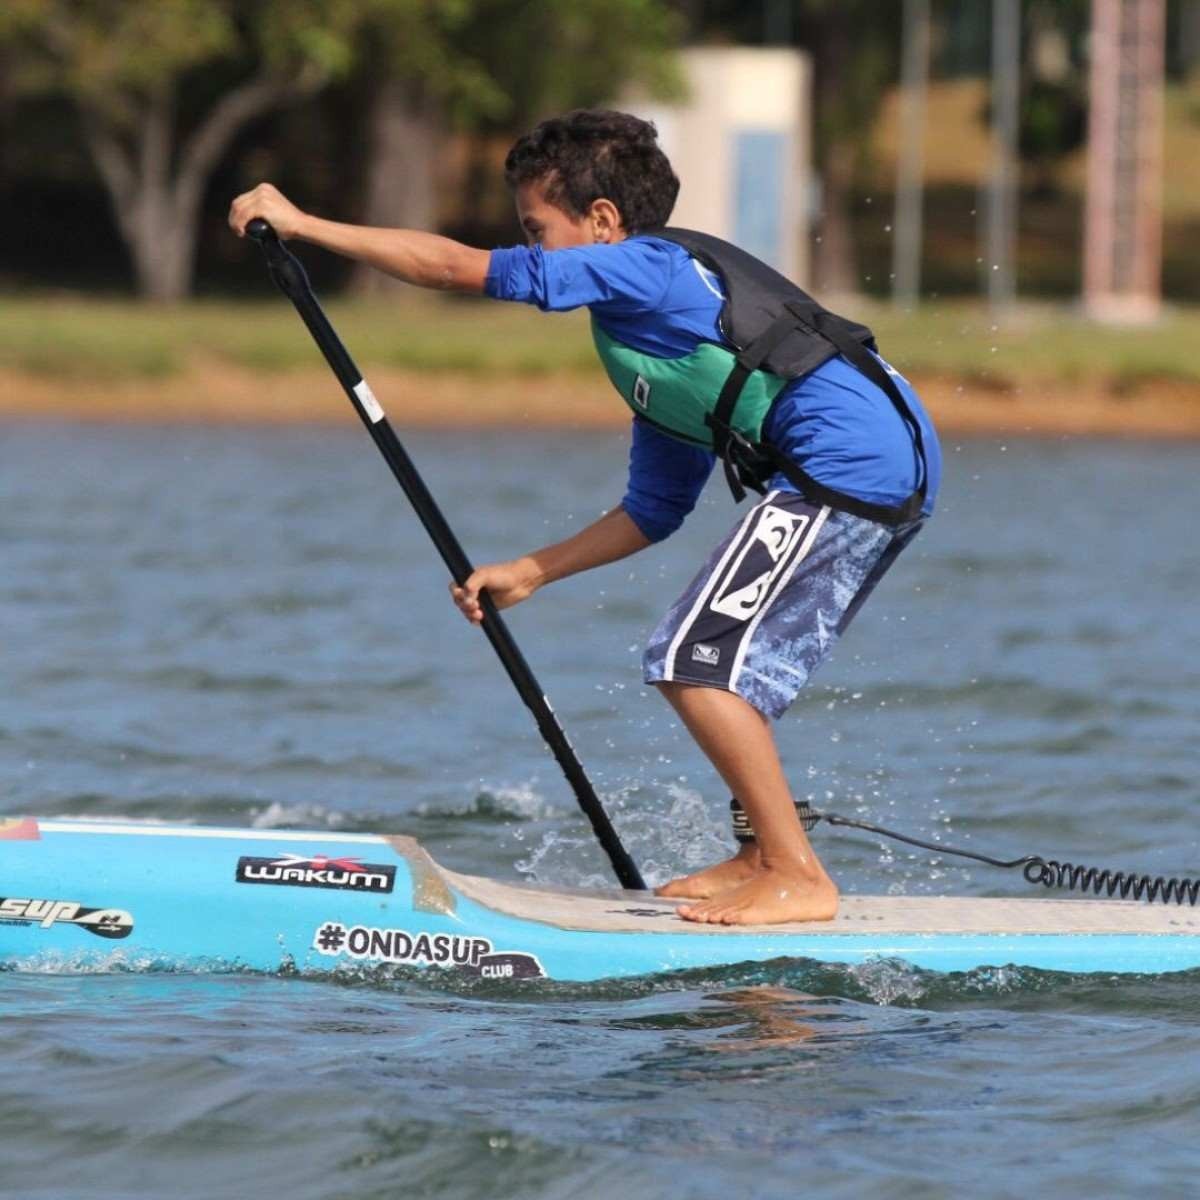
[507, 583]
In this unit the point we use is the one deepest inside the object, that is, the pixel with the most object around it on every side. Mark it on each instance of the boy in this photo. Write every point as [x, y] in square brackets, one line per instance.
[800, 404]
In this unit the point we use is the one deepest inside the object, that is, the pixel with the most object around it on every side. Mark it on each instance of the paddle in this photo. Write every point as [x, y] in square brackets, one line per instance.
[288, 273]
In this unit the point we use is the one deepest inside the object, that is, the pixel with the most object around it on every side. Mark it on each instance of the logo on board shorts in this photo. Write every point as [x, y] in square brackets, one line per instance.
[641, 393]
[776, 535]
[710, 656]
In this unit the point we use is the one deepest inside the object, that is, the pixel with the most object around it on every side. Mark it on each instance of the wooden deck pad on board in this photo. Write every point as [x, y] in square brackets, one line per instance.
[642, 912]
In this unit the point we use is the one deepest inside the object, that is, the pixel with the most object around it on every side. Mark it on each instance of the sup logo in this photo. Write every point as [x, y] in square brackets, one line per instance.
[292, 870]
[103, 922]
[471, 955]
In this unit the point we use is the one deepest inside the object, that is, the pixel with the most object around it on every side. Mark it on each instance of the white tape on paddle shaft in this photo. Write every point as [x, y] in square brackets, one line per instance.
[366, 397]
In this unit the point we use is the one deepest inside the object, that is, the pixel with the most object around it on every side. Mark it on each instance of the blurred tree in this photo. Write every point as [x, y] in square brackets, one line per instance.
[1053, 120]
[1053, 100]
[125, 66]
[855, 50]
[487, 66]
[417, 61]
[548, 56]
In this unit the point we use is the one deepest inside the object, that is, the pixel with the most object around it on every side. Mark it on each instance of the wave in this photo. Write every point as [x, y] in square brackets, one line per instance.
[883, 982]
[997, 695]
[519, 802]
[214, 809]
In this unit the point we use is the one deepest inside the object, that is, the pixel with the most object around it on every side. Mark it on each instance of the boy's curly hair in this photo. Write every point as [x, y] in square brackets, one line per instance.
[593, 154]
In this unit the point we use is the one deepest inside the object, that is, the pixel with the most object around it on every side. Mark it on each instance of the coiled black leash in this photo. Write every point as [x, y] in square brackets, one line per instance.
[1049, 872]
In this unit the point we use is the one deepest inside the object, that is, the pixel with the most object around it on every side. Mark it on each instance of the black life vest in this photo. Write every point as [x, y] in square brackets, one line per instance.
[775, 326]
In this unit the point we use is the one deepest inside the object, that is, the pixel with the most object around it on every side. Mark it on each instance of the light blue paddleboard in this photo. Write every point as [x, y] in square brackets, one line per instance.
[84, 895]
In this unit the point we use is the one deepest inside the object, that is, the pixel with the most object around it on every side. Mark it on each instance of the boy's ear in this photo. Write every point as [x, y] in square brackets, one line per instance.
[606, 222]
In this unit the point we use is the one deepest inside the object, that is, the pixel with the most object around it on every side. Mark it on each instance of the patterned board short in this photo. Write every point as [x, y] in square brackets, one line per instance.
[772, 599]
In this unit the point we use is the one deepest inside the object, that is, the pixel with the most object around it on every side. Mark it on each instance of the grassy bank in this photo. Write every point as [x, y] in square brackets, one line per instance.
[75, 338]
[73, 352]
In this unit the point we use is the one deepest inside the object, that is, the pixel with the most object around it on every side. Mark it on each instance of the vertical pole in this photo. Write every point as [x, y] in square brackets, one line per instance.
[1002, 184]
[1102, 154]
[910, 160]
[1187, 39]
[1122, 262]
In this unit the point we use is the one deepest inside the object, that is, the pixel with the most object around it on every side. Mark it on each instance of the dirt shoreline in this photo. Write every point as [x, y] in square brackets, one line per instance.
[220, 394]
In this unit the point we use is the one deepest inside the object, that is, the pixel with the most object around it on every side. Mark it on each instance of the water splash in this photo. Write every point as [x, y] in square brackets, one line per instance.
[670, 832]
[301, 816]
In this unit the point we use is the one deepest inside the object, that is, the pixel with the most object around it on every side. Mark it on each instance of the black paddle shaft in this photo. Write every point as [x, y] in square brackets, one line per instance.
[292, 280]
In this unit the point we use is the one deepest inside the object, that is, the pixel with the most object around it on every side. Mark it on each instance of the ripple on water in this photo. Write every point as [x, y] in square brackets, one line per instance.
[999, 695]
[881, 982]
[190, 600]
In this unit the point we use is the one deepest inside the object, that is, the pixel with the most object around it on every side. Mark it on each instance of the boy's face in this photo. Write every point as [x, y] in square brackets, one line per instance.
[546, 224]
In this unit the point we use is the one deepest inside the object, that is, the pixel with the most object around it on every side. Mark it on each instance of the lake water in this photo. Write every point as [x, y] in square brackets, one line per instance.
[248, 627]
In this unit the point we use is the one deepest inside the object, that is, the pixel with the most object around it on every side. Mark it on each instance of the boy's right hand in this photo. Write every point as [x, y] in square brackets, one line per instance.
[507, 583]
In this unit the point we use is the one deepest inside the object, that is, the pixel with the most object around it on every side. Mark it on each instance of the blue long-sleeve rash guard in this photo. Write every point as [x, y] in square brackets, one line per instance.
[653, 296]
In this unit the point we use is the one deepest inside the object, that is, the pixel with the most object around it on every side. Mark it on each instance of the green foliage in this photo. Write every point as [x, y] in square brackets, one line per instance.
[108, 54]
[543, 56]
[101, 51]
[1052, 105]
[431, 44]
[488, 62]
[855, 46]
[1053, 119]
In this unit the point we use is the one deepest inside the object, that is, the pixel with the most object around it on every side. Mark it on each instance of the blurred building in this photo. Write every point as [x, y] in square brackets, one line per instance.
[740, 145]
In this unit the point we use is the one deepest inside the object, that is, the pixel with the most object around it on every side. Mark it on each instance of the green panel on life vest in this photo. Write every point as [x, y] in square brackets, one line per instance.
[677, 393]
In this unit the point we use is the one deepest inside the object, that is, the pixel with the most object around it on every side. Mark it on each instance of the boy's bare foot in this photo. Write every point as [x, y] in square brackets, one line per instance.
[771, 896]
[712, 881]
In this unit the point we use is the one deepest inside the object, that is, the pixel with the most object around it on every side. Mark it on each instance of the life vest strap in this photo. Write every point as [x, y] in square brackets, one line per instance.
[745, 364]
[803, 482]
[829, 326]
[727, 442]
[748, 464]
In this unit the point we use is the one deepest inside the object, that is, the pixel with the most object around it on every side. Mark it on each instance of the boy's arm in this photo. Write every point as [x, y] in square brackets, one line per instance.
[423, 259]
[612, 537]
[666, 477]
